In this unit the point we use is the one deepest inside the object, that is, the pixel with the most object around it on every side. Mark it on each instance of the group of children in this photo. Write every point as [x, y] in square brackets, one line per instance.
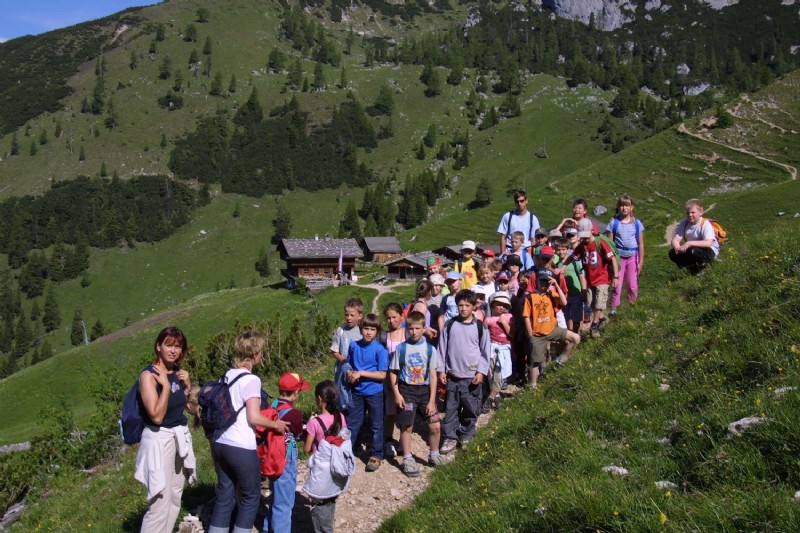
[489, 322]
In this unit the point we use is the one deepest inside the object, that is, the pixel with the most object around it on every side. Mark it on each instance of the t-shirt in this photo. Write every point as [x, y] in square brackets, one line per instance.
[702, 231]
[371, 357]
[449, 307]
[464, 352]
[625, 235]
[527, 224]
[313, 427]
[467, 270]
[540, 309]
[572, 274]
[293, 416]
[241, 434]
[496, 331]
[342, 338]
[596, 262]
[415, 369]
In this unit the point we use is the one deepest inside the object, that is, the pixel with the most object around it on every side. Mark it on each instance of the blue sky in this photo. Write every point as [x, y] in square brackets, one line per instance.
[31, 17]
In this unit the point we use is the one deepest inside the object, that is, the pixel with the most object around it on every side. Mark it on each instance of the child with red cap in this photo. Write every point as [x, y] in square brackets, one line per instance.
[281, 501]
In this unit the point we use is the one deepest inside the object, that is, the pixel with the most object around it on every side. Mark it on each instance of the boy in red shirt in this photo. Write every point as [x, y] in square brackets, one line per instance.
[601, 269]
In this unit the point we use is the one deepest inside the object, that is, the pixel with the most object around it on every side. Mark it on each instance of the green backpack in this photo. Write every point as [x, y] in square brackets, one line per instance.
[610, 245]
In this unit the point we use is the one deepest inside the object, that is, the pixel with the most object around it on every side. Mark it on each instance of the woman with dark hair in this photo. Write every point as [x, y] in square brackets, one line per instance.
[166, 458]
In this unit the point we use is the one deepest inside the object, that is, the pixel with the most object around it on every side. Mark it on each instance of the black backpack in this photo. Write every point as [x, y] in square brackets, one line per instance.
[216, 405]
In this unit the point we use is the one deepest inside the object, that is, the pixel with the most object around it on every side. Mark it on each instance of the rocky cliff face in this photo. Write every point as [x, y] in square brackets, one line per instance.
[612, 14]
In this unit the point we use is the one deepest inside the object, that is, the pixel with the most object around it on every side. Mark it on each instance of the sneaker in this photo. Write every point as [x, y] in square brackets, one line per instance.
[595, 331]
[487, 406]
[390, 449]
[373, 464]
[613, 312]
[435, 460]
[410, 467]
[448, 446]
[495, 403]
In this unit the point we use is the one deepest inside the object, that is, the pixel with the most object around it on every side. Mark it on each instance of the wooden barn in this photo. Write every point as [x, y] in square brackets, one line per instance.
[318, 259]
[412, 266]
[381, 249]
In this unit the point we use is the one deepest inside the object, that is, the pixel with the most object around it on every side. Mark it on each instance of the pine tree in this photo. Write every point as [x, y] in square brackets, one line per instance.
[165, 68]
[282, 224]
[262, 264]
[237, 211]
[43, 137]
[434, 85]
[319, 77]
[82, 154]
[76, 331]
[163, 142]
[430, 137]
[33, 150]
[194, 57]
[190, 35]
[343, 78]
[207, 47]
[133, 63]
[350, 225]
[216, 85]
[277, 60]
[103, 170]
[98, 97]
[59, 131]
[295, 78]
[384, 104]
[14, 144]
[23, 337]
[232, 84]
[97, 331]
[36, 312]
[161, 33]
[202, 15]
[420, 152]
[153, 49]
[483, 195]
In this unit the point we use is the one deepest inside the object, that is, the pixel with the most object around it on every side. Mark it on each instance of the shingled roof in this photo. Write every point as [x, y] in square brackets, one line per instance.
[382, 245]
[420, 260]
[321, 248]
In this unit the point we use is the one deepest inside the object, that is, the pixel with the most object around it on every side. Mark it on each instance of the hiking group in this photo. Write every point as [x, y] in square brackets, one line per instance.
[493, 320]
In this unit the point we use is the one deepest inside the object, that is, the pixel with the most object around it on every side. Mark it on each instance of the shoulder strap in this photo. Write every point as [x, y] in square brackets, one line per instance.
[401, 354]
[530, 227]
[225, 379]
[321, 424]
[508, 226]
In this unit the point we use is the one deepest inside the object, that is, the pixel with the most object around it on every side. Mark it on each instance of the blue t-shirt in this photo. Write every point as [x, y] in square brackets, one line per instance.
[371, 357]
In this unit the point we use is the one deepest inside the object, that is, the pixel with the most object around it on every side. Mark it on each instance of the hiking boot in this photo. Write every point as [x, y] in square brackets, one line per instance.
[435, 460]
[464, 443]
[373, 464]
[448, 446]
[390, 449]
[595, 331]
[410, 467]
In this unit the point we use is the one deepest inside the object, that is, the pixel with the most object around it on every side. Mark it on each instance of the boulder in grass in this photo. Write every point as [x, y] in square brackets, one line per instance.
[616, 470]
[737, 429]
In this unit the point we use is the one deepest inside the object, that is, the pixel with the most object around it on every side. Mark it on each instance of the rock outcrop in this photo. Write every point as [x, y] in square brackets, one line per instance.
[608, 14]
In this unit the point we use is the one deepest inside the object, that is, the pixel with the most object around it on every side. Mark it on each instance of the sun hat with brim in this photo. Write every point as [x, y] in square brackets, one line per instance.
[501, 299]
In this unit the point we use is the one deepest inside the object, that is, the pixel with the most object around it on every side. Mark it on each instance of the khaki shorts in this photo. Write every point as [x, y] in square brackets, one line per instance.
[537, 346]
[599, 297]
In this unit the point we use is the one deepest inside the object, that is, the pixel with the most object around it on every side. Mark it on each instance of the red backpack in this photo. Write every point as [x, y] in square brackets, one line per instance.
[270, 445]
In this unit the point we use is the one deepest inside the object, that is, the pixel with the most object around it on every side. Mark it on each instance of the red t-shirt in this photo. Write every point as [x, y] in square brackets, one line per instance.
[596, 263]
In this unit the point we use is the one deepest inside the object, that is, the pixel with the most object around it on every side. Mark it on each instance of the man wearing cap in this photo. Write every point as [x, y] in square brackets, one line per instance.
[519, 219]
[467, 266]
[281, 500]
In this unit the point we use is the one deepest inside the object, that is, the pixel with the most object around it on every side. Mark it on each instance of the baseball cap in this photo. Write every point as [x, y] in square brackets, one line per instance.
[433, 260]
[437, 279]
[502, 275]
[541, 232]
[554, 233]
[479, 291]
[489, 253]
[585, 234]
[545, 273]
[468, 245]
[585, 225]
[570, 231]
[292, 381]
[546, 251]
[452, 275]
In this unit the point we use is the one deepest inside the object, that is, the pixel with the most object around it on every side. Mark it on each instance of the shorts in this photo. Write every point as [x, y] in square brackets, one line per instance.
[537, 346]
[416, 397]
[599, 297]
[574, 309]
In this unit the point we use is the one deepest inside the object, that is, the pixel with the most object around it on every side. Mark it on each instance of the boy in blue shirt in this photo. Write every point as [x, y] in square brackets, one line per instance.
[369, 361]
[413, 380]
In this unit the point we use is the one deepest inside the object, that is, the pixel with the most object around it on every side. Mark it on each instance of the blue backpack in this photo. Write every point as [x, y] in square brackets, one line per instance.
[216, 406]
[131, 422]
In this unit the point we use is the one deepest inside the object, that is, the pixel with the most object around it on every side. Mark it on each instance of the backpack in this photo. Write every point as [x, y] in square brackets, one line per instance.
[216, 405]
[720, 233]
[611, 245]
[614, 225]
[273, 453]
[346, 465]
[131, 422]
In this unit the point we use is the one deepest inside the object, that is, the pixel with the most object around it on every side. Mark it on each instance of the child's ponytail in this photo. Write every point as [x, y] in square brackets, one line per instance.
[329, 393]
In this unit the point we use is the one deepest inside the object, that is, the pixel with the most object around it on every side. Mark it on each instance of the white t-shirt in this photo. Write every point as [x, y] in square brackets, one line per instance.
[527, 224]
[241, 434]
[702, 231]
